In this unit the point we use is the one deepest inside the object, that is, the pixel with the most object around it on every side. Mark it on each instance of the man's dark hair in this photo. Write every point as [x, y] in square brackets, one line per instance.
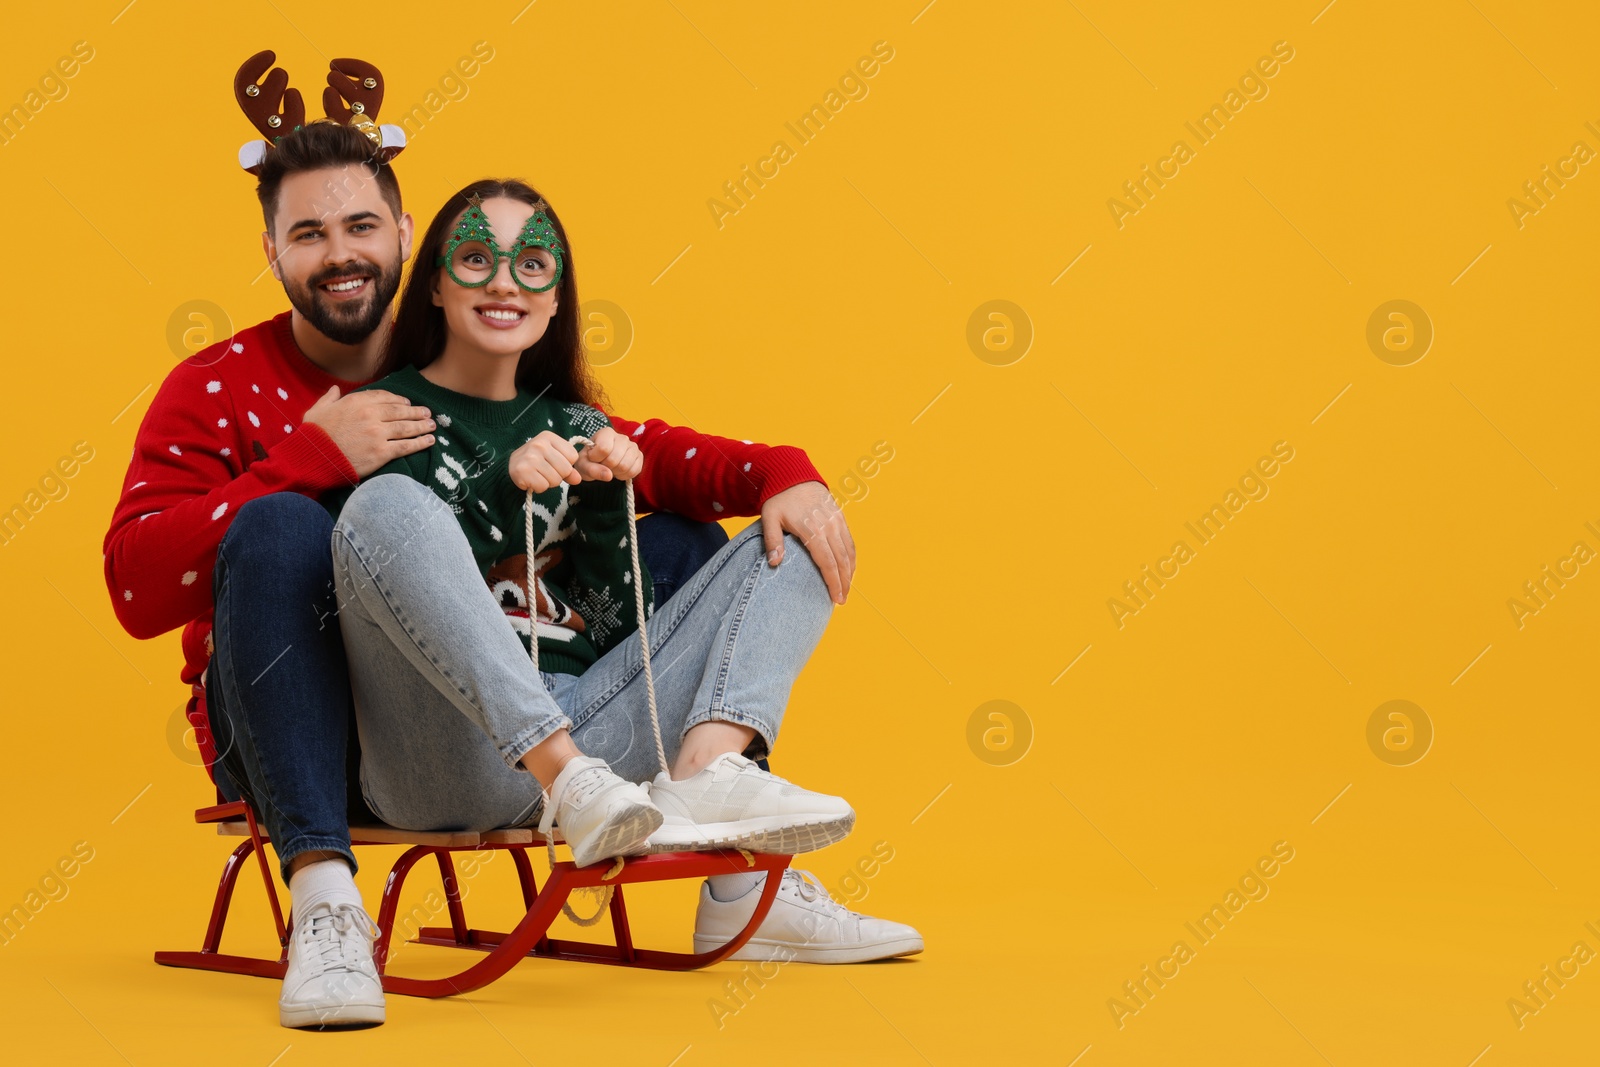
[323, 146]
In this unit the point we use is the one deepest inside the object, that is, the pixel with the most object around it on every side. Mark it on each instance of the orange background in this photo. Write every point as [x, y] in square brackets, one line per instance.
[1040, 460]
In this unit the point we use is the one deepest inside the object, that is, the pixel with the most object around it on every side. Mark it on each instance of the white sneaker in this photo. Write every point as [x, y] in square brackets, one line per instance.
[732, 803]
[331, 980]
[805, 924]
[600, 814]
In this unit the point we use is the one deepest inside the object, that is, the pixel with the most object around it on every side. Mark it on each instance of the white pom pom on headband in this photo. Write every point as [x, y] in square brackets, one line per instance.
[352, 98]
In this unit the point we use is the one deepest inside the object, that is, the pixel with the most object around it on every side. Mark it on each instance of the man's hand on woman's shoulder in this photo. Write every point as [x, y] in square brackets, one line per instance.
[372, 426]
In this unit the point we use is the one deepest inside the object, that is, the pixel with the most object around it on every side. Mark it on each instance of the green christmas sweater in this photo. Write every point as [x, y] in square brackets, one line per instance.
[582, 563]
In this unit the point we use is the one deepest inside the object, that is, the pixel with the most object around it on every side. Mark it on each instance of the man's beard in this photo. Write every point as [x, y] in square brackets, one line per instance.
[353, 322]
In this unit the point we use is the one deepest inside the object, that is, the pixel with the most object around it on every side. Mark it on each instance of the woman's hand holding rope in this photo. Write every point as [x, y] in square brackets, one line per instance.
[549, 459]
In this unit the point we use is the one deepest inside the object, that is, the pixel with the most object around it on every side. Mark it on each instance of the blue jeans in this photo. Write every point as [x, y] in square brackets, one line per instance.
[278, 689]
[447, 702]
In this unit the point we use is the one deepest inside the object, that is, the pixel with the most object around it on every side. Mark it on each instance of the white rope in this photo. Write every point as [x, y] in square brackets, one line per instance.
[528, 583]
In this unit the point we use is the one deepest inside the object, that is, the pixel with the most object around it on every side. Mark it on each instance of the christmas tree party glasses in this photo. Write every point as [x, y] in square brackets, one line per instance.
[471, 258]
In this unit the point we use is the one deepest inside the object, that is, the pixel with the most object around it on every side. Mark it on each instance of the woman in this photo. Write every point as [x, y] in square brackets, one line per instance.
[457, 729]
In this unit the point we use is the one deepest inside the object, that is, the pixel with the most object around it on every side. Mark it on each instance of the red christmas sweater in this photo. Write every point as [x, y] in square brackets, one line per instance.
[225, 427]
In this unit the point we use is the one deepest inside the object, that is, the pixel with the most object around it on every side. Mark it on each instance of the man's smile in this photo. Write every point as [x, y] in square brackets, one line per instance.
[346, 286]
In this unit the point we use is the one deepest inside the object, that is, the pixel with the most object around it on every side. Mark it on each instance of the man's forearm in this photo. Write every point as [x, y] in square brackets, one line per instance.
[706, 477]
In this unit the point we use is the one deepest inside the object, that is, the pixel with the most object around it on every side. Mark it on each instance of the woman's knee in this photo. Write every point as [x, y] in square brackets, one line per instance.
[384, 501]
[798, 564]
[385, 517]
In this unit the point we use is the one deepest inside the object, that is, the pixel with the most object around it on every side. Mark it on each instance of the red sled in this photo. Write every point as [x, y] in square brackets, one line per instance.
[530, 937]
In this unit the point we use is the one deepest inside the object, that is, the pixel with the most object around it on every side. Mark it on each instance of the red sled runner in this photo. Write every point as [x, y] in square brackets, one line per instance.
[530, 937]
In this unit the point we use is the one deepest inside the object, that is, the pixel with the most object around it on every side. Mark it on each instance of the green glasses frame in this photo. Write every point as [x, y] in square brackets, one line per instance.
[538, 232]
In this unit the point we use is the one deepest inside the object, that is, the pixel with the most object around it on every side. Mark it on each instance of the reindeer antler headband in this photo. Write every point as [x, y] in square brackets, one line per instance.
[352, 98]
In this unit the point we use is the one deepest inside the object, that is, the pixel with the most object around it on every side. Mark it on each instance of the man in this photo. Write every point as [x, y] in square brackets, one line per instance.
[218, 532]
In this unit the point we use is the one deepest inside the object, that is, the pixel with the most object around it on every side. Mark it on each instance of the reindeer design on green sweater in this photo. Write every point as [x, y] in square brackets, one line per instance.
[508, 578]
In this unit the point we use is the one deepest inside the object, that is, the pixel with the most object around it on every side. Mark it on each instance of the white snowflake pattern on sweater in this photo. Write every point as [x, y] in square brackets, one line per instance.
[585, 419]
[602, 613]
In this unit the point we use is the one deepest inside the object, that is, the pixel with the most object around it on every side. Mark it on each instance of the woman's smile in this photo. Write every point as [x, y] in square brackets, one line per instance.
[501, 316]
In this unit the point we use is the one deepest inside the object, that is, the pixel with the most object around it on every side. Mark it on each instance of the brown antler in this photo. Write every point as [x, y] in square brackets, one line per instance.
[274, 108]
[356, 81]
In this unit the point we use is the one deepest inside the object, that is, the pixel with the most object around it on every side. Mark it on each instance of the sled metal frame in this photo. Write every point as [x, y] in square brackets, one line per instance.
[530, 937]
